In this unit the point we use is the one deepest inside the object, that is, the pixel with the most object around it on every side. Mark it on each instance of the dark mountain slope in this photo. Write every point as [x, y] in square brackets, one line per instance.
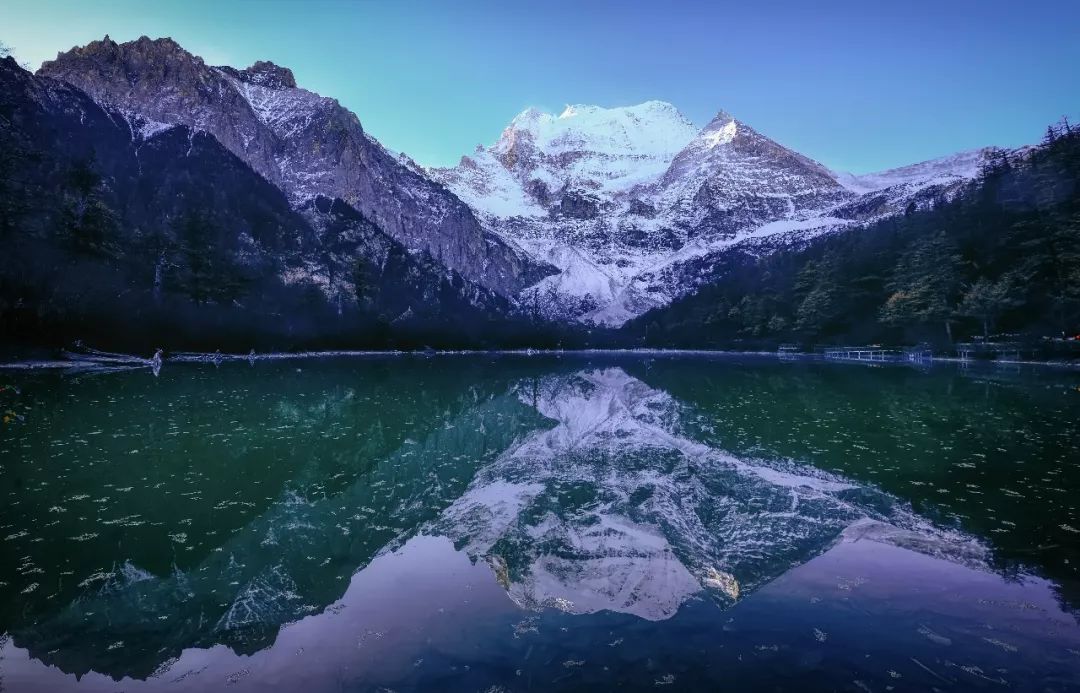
[127, 233]
[305, 144]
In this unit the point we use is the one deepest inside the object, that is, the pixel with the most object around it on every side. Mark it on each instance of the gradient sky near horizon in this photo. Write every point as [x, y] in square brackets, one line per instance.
[859, 86]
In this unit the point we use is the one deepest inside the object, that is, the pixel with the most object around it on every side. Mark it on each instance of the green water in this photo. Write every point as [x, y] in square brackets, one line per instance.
[539, 523]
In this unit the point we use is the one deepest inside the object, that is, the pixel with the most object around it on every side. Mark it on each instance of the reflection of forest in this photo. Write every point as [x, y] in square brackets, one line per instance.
[294, 559]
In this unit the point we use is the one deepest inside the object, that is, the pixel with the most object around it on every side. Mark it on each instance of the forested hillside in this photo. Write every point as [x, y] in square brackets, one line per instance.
[1003, 256]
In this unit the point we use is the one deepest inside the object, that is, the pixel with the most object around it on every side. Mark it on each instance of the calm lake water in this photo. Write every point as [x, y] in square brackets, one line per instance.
[481, 523]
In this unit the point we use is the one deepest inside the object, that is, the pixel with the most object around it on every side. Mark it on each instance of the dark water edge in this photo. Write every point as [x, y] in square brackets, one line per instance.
[34, 359]
[353, 524]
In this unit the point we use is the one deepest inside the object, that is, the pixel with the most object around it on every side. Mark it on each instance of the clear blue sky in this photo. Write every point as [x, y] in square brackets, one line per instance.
[859, 86]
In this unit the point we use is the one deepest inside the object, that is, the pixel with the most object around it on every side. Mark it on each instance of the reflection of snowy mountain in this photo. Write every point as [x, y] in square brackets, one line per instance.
[614, 508]
[583, 492]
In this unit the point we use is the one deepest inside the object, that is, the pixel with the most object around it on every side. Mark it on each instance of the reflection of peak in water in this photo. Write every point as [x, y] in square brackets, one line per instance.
[582, 491]
[614, 508]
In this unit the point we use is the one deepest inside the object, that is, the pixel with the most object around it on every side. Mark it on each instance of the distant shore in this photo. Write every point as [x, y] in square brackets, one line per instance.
[90, 363]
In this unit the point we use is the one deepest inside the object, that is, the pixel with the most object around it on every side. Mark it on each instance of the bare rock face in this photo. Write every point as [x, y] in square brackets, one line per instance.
[538, 190]
[576, 205]
[264, 74]
[640, 208]
[306, 144]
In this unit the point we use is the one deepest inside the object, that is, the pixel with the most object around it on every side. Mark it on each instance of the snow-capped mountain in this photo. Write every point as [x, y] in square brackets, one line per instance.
[636, 206]
[947, 169]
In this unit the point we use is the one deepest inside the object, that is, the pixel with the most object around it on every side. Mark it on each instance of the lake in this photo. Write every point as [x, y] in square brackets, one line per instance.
[513, 523]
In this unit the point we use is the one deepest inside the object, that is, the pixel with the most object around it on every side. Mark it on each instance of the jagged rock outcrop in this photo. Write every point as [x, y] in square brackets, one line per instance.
[576, 205]
[264, 74]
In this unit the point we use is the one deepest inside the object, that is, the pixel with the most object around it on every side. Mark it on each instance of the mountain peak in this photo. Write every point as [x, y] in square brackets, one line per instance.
[721, 118]
[266, 74]
[720, 130]
[652, 127]
[530, 115]
[645, 109]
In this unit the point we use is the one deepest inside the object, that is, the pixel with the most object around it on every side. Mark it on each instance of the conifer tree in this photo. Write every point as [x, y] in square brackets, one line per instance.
[985, 300]
[925, 284]
[85, 220]
[820, 305]
[209, 275]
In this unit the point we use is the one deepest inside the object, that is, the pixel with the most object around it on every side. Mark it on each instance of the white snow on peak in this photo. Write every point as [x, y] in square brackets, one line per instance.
[653, 128]
[483, 183]
[602, 151]
[721, 135]
[947, 169]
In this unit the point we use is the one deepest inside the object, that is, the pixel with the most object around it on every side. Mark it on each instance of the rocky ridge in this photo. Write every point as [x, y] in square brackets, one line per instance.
[118, 227]
[307, 145]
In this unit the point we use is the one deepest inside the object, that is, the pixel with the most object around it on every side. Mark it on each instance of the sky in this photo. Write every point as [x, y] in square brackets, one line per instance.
[859, 86]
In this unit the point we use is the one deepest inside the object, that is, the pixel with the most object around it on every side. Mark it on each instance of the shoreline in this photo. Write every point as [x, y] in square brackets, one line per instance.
[135, 362]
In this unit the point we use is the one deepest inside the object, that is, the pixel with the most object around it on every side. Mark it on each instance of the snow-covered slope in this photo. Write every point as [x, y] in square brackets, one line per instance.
[573, 164]
[730, 178]
[483, 183]
[947, 169]
[602, 151]
[635, 205]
